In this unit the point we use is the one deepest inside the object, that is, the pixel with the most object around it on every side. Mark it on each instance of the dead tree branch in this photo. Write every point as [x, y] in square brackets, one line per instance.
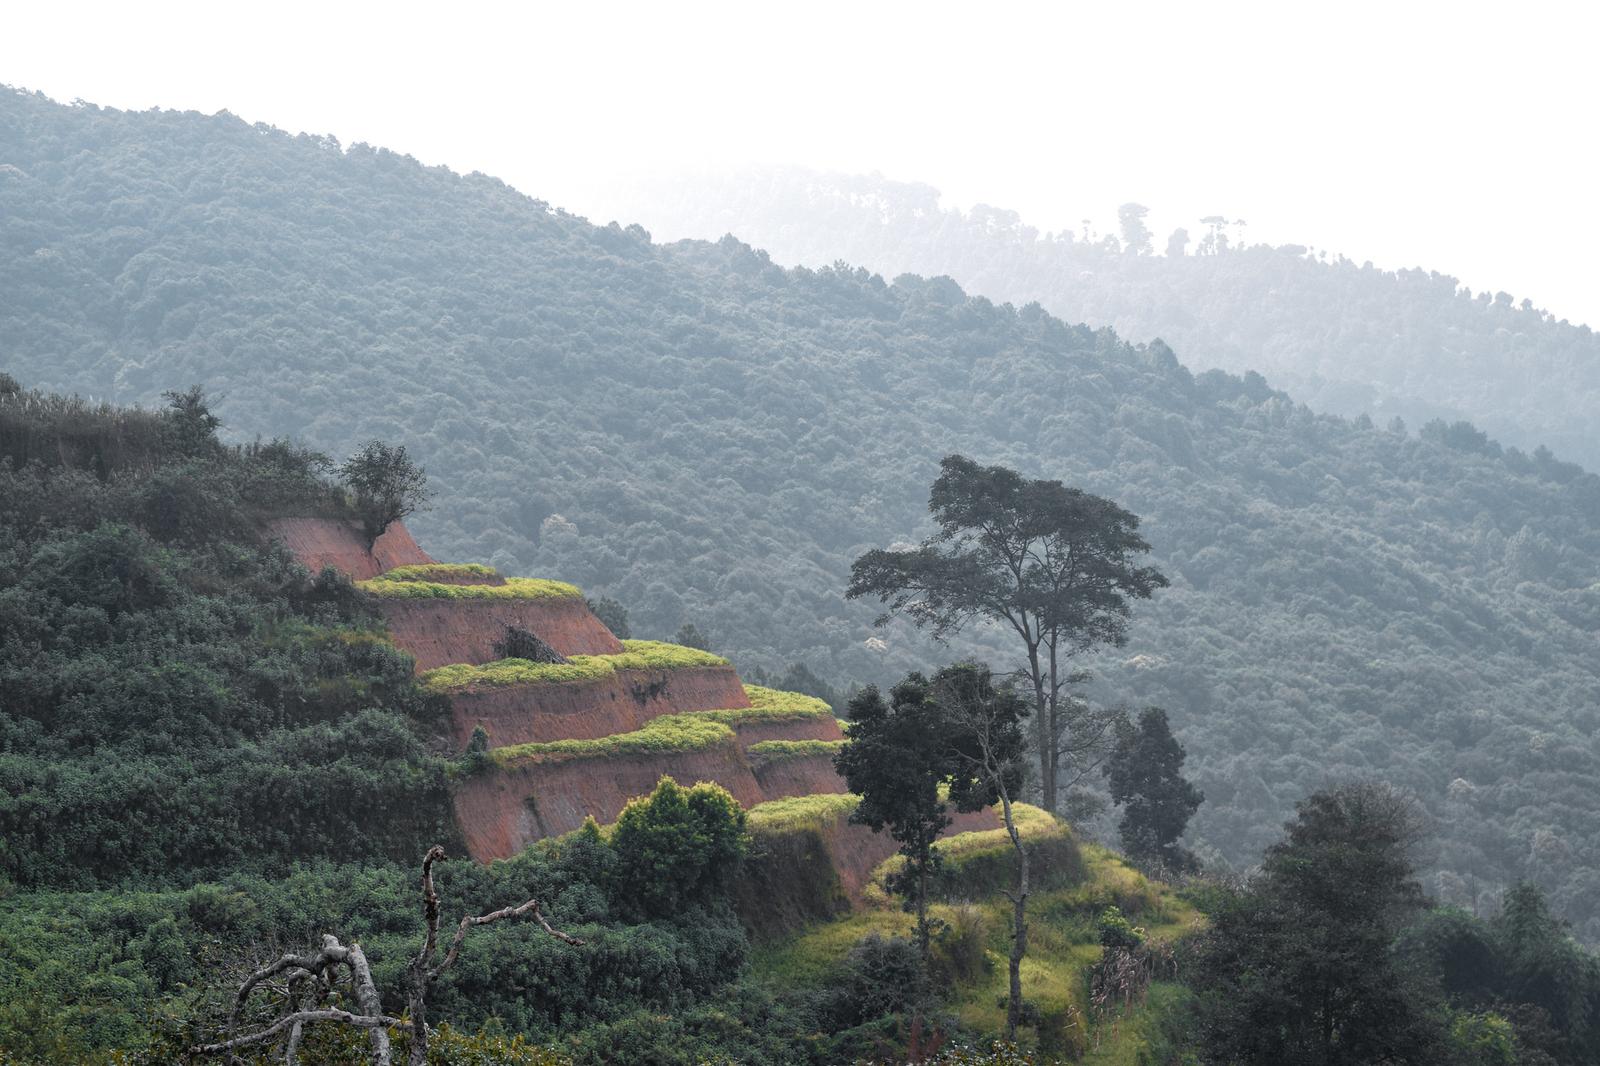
[321, 970]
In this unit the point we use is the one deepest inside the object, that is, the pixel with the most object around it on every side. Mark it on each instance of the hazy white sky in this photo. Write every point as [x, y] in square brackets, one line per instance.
[1459, 136]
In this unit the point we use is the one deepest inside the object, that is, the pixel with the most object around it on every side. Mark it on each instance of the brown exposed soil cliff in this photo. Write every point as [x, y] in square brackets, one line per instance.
[806, 775]
[320, 542]
[503, 810]
[622, 703]
[438, 632]
[754, 732]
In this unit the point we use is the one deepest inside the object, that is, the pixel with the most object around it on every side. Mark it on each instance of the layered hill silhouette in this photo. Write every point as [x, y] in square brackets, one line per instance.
[1339, 335]
[708, 437]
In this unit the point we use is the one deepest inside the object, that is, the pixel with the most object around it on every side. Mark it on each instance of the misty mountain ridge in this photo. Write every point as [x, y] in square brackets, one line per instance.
[1339, 335]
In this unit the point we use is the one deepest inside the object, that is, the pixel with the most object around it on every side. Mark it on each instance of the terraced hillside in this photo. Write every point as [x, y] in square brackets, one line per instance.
[557, 742]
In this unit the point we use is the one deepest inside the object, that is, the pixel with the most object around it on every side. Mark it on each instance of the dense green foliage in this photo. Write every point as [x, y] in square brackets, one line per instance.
[1337, 334]
[1145, 775]
[87, 970]
[1324, 958]
[716, 438]
[177, 697]
[678, 846]
[385, 486]
[1298, 968]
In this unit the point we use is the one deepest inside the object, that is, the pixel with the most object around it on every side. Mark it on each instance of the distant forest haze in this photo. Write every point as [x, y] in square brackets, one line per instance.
[708, 438]
[1337, 333]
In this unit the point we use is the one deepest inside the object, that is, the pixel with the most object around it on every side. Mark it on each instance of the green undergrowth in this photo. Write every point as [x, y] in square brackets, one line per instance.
[770, 751]
[636, 655]
[980, 861]
[819, 811]
[664, 735]
[771, 705]
[515, 588]
[1063, 934]
[438, 572]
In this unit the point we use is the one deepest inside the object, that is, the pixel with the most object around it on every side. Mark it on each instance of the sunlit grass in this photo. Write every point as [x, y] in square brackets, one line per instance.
[1063, 937]
[437, 572]
[770, 751]
[771, 705]
[515, 588]
[636, 655]
[664, 735]
[802, 812]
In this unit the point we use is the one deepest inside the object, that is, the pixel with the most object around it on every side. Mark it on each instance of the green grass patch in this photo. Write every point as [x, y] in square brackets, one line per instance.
[770, 751]
[636, 655]
[660, 736]
[1063, 944]
[659, 655]
[802, 812]
[438, 572]
[771, 705]
[515, 588]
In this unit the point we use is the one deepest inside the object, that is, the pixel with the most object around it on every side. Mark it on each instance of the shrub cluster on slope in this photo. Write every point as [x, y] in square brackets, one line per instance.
[717, 438]
[176, 697]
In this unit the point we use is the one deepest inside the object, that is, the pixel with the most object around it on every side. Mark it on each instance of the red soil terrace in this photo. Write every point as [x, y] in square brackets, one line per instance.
[320, 542]
[438, 632]
[622, 703]
[503, 810]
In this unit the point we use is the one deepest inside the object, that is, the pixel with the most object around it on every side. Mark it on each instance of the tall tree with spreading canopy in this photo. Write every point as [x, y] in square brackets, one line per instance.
[387, 485]
[1145, 773]
[1054, 564]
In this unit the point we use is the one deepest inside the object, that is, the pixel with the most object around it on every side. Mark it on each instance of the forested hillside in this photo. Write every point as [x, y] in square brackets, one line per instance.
[709, 438]
[1339, 335]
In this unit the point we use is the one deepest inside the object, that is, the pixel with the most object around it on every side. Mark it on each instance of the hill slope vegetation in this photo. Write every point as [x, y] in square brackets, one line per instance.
[709, 438]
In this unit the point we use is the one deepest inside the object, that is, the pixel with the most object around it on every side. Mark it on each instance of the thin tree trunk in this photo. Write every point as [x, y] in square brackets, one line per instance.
[922, 901]
[1019, 922]
[1041, 732]
[1053, 737]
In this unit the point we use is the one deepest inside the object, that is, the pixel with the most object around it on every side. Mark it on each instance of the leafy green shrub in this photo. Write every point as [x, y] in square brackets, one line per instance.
[677, 846]
[770, 751]
[665, 734]
[880, 976]
[1117, 933]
